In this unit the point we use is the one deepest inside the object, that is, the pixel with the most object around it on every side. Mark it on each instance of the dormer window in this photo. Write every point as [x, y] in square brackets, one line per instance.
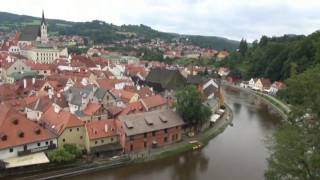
[37, 130]
[15, 121]
[21, 134]
[3, 136]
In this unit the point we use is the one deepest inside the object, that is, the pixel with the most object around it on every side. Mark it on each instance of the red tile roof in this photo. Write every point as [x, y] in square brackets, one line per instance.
[101, 129]
[16, 129]
[123, 95]
[106, 84]
[153, 101]
[91, 108]
[131, 108]
[60, 121]
[265, 82]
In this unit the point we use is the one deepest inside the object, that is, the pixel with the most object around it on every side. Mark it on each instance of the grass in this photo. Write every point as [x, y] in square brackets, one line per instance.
[178, 150]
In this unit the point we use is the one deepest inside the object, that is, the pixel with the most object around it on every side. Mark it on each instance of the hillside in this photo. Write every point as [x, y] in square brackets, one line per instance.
[277, 58]
[102, 32]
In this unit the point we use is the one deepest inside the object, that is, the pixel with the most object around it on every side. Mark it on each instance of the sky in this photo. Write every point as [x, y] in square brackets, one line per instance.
[233, 19]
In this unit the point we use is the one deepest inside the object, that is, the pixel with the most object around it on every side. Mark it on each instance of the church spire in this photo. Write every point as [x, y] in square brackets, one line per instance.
[43, 20]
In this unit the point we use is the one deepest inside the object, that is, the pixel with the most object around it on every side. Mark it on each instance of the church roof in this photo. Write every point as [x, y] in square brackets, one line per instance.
[30, 33]
[43, 20]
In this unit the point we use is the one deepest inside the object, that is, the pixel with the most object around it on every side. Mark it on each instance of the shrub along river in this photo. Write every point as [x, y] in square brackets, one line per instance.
[238, 153]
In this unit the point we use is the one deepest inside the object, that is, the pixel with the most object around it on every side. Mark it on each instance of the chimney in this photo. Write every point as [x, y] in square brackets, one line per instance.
[33, 81]
[106, 127]
[50, 93]
[24, 83]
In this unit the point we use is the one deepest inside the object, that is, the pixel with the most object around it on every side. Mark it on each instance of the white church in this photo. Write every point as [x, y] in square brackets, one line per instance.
[34, 44]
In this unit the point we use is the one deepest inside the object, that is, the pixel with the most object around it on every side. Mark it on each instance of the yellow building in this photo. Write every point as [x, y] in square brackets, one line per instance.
[102, 137]
[70, 129]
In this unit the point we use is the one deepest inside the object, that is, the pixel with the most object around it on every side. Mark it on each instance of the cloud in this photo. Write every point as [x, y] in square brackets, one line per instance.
[233, 19]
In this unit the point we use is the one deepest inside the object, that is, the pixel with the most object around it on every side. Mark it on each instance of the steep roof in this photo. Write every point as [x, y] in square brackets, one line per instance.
[60, 121]
[168, 79]
[196, 80]
[41, 104]
[16, 129]
[265, 82]
[153, 101]
[150, 121]
[91, 108]
[30, 33]
[101, 129]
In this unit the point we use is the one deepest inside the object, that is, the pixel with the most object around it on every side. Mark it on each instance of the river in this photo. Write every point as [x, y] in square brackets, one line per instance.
[238, 153]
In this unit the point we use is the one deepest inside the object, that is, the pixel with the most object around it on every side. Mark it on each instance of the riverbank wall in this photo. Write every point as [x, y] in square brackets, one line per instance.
[281, 108]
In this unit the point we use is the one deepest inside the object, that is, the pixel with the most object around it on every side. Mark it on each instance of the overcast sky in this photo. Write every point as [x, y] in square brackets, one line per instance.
[232, 19]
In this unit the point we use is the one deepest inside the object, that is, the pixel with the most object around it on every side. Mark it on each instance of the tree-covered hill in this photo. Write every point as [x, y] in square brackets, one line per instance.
[277, 57]
[102, 32]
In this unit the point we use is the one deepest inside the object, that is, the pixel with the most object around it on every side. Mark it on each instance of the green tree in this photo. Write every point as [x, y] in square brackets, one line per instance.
[190, 107]
[67, 153]
[61, 155]
[73, 149]
[243, 47]
[296, 144]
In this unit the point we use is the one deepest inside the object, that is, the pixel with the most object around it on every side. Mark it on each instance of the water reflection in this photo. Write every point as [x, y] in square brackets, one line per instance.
[183, 171]
[238, 153]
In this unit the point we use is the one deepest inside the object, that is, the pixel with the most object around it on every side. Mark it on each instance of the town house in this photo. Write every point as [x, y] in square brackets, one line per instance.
[143, 131]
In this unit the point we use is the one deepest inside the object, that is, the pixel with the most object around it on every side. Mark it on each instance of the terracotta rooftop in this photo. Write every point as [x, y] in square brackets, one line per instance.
[101, 129]
[153, 101]
[16, 129]
[60, 121]
[91, 108]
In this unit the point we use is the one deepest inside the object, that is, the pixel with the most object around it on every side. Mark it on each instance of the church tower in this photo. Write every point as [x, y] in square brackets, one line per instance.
[43, 30]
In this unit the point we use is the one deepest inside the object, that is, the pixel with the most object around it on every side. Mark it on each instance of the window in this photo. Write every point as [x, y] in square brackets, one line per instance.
[15, 68]
[63, 140]
[10, 150]
[165, 139]
[77, 129]
[145, 144]
[39, 144]
[165, 130]
[131, 147]
[81, 137]
[96, 142]
[70, 130]
[102, 141]
[153, 133]
[47, 142]
[131, 138]
[145, 135]
[111, 139]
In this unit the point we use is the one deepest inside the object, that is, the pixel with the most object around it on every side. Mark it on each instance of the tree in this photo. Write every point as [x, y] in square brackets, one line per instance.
[296, 144]
[73, 149]
[243, 47]
[61, 155]
[67, 153]
[294, 156]
[190, 107]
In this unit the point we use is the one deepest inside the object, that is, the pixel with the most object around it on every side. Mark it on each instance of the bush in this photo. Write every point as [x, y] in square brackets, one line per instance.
[68, 153]
[73, 149]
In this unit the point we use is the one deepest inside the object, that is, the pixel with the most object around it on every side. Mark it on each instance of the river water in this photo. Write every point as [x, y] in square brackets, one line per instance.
[238, 153]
